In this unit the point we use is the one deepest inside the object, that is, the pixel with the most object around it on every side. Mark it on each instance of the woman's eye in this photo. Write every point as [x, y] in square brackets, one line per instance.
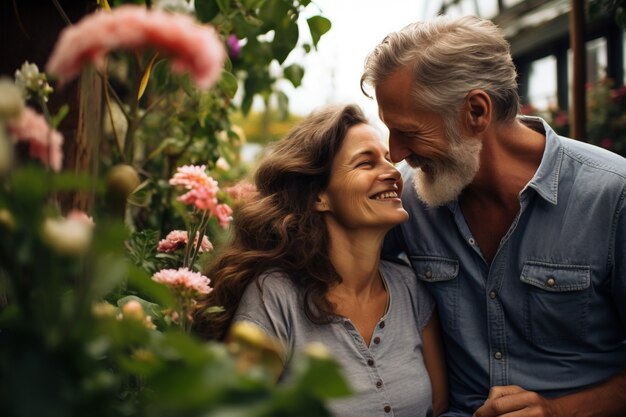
[364, 164]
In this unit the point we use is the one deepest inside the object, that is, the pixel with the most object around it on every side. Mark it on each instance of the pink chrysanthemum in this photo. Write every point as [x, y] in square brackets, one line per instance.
[202, 188]
[191, 47]
[241, 191]
[183, 280]
[44, 143]
[177, 239]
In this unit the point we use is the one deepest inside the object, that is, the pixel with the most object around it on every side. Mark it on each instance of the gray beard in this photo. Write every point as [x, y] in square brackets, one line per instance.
[445, 180]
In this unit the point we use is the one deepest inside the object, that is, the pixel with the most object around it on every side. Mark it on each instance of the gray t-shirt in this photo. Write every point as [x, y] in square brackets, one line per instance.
[388, 376]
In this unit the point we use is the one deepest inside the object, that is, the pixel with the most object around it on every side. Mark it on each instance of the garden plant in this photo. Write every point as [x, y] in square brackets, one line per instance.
[95, 299]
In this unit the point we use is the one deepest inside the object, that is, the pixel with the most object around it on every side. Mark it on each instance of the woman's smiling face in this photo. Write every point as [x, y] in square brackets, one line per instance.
[365, 187]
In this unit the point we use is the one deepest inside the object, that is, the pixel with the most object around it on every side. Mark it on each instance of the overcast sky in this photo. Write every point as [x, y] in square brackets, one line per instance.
[332, 73]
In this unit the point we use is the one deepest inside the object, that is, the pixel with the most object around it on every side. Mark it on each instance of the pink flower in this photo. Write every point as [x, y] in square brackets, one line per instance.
[80, 216]
[183, 280]
[241, 191]
[202, 188]
[233, 46]
[191, 47]
[561, 119]
[44, 143]
[607, 143]
[224, 214]
[177, 239]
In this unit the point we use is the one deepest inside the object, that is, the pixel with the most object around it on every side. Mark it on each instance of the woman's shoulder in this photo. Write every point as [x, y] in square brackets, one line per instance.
[273, 285]
[398, 270]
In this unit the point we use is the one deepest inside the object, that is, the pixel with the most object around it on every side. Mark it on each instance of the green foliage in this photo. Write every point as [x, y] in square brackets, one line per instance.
[614, 8]
[84, 330]
[70, 346]
[606, 116]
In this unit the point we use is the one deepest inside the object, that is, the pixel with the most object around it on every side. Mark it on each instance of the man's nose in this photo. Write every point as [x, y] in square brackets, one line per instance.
[398, 149]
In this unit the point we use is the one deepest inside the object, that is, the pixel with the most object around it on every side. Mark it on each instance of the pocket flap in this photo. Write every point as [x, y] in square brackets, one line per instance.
[433, 269]
[556, 277]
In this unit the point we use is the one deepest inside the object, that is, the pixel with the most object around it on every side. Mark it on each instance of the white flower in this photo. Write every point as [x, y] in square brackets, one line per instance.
[222, 164]
[11, 100]
[67, 236]
[32, 82]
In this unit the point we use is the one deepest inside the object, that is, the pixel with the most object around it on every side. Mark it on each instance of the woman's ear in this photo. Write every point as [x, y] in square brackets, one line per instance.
[321, 204]
[478, 111]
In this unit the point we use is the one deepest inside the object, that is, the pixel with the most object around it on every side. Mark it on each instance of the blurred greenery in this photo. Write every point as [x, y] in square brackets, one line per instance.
[84, 330]
[606, 116]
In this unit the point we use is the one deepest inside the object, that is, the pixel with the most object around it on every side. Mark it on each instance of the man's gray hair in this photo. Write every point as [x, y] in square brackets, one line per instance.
[449, 57]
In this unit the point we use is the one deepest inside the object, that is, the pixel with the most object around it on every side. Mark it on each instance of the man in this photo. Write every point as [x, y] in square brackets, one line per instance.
[519, 234]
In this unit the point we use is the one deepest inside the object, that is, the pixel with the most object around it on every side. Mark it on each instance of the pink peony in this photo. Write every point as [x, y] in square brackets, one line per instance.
[177, 239]
[224, 214]
[191, 47]
[182, 280]
[44, 143]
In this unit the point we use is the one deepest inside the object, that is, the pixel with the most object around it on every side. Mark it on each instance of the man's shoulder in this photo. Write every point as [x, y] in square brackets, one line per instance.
[594, 158]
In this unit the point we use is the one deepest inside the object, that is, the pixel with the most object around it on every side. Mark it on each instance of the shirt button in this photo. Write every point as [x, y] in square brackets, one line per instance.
[379, 383]
[498, 355]
[377, 340]
[551, 282]
[387, 409]
[382, 324]
[492, 295]
[370, 362]
[471, 241]
[429, 274]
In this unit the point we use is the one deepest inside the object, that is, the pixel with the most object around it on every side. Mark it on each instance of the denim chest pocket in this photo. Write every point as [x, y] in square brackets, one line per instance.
[440, 274]
[556, 301]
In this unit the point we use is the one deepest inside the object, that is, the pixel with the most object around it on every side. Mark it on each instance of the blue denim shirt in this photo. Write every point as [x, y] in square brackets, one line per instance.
[549, 313]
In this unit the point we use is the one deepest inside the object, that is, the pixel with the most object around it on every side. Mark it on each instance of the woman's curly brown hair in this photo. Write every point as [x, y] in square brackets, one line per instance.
[280, 229]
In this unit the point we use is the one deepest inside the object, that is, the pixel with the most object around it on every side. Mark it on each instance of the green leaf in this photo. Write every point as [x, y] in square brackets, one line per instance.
[146, 77]
[323, 377]
[294, 73]
[229, 84]
[58, 118]
[318, 25]
[283, 105]
[224, 6]
[206, 10]
[285, 39]
[149, 308]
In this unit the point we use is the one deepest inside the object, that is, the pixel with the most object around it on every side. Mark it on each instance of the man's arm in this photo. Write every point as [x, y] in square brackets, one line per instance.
[605, 400]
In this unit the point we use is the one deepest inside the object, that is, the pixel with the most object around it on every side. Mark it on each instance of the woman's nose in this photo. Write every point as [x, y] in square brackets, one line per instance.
[390, 173]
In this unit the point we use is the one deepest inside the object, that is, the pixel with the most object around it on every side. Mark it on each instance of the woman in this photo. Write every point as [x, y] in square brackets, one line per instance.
[304, 266]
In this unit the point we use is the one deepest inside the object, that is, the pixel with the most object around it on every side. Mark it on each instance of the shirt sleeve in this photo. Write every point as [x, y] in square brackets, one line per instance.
[268, 303]
[619, 258]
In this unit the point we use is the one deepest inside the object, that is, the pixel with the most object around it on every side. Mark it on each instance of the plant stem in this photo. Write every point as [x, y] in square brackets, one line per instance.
[201, 229]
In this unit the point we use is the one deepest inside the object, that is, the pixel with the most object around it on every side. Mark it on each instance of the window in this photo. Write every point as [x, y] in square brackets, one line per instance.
[542, 92]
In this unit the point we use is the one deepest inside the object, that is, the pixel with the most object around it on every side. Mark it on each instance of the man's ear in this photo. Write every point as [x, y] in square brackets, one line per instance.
[321, 203]
[478, 111]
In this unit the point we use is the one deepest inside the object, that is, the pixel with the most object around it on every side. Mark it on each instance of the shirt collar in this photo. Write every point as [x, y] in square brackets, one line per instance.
[546, 179]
